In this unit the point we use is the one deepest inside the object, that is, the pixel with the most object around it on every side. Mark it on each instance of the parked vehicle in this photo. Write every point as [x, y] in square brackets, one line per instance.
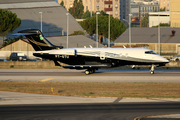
[175, 58]
[18, 56]
[3, 59]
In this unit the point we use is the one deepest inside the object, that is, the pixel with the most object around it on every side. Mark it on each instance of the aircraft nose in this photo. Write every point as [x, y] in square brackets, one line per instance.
[166, 60]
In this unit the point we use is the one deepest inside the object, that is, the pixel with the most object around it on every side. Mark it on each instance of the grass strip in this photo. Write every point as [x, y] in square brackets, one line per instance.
[120, 90]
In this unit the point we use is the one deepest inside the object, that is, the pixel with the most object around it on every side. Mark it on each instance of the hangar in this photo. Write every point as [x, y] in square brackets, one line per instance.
[54, 18]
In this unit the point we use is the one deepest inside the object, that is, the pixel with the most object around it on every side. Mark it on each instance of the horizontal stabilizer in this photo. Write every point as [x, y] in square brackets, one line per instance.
[24, 34]
[85, 66]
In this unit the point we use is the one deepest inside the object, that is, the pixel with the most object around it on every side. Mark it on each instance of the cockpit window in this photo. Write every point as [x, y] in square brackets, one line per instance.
[150, 52]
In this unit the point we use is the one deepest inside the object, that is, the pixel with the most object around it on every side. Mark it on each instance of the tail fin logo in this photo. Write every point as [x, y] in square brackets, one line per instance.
[41, 37]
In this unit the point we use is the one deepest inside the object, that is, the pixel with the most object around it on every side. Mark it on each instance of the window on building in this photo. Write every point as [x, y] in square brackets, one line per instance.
[97, 7]
[116, 13]
[116, 6]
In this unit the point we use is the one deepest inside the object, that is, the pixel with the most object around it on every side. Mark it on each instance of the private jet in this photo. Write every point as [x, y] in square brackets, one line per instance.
[91, 59]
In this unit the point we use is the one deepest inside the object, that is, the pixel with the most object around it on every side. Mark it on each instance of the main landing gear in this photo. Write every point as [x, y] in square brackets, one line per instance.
[90, 71]
[152, 70]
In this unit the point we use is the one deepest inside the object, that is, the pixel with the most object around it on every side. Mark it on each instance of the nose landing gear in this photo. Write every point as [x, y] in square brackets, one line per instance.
[89, 71]
[152, 70]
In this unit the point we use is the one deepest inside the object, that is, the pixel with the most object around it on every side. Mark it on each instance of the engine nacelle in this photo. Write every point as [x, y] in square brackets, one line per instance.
[64, 52]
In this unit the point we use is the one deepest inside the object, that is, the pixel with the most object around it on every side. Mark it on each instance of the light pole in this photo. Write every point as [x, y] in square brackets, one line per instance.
[129, 32]
[41, 20]
[130, 29]
[67, 27]
[97, 13]
[159, 35]
[91, 8]
[108, 31]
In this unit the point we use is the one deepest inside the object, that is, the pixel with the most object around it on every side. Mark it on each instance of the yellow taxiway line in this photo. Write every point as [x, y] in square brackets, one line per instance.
[47, 79]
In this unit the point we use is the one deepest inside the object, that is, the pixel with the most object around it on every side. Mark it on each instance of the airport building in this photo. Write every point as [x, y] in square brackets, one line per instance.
[49, 13]
[139, 11]
[155, 18]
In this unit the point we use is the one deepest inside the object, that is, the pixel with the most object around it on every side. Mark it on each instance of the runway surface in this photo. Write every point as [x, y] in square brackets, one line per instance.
[35, 107]
[125, 111]
[66, 75]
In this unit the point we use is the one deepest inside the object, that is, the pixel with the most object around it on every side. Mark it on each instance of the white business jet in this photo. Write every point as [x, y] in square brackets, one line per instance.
[91, 59]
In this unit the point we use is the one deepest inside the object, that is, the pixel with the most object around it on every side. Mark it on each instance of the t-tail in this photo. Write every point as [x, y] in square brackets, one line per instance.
[37, 40]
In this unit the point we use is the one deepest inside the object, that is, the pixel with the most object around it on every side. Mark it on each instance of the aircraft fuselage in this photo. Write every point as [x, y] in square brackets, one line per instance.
[110, 56]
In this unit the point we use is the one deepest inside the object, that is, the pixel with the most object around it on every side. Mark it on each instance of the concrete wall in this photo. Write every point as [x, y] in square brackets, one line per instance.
[154, 20]
[28, 65]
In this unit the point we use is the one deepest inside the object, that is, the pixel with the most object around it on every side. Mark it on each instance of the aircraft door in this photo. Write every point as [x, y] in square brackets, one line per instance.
[102, 55]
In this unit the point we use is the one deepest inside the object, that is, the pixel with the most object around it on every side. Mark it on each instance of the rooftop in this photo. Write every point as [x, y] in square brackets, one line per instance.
[150, 35]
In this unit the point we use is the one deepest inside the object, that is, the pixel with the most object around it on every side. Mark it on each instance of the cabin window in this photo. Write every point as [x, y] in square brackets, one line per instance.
[150, 52]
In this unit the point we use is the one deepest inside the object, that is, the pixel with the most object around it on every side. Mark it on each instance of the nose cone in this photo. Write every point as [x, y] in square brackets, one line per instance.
[167, 61]
[164, 60]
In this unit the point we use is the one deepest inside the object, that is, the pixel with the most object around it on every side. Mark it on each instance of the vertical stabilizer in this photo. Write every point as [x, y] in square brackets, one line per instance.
[37, 40]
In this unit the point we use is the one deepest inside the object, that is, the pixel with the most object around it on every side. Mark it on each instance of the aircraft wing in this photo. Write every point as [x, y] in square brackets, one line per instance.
[86, 66]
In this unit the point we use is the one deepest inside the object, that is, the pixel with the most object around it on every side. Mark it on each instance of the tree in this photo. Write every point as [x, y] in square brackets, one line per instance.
[163, 9]
[116, 26]
[145, 21]
[8, 22]
[78, 33]
[11, 40]
[87, 14]
[162, 25]
[103, 13]
[77, 10]
[62, 4]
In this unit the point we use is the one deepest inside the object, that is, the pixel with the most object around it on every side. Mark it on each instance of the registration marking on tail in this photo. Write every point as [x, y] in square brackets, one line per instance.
[47, 79]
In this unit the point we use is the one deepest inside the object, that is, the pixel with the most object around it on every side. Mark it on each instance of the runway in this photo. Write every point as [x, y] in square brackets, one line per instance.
[34, 106]
[125, 111]
[66, 75]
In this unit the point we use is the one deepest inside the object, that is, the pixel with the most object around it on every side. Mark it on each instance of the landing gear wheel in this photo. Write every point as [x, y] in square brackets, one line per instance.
[152, 69]
[152, 72]
[177, 60]
[87, 72]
